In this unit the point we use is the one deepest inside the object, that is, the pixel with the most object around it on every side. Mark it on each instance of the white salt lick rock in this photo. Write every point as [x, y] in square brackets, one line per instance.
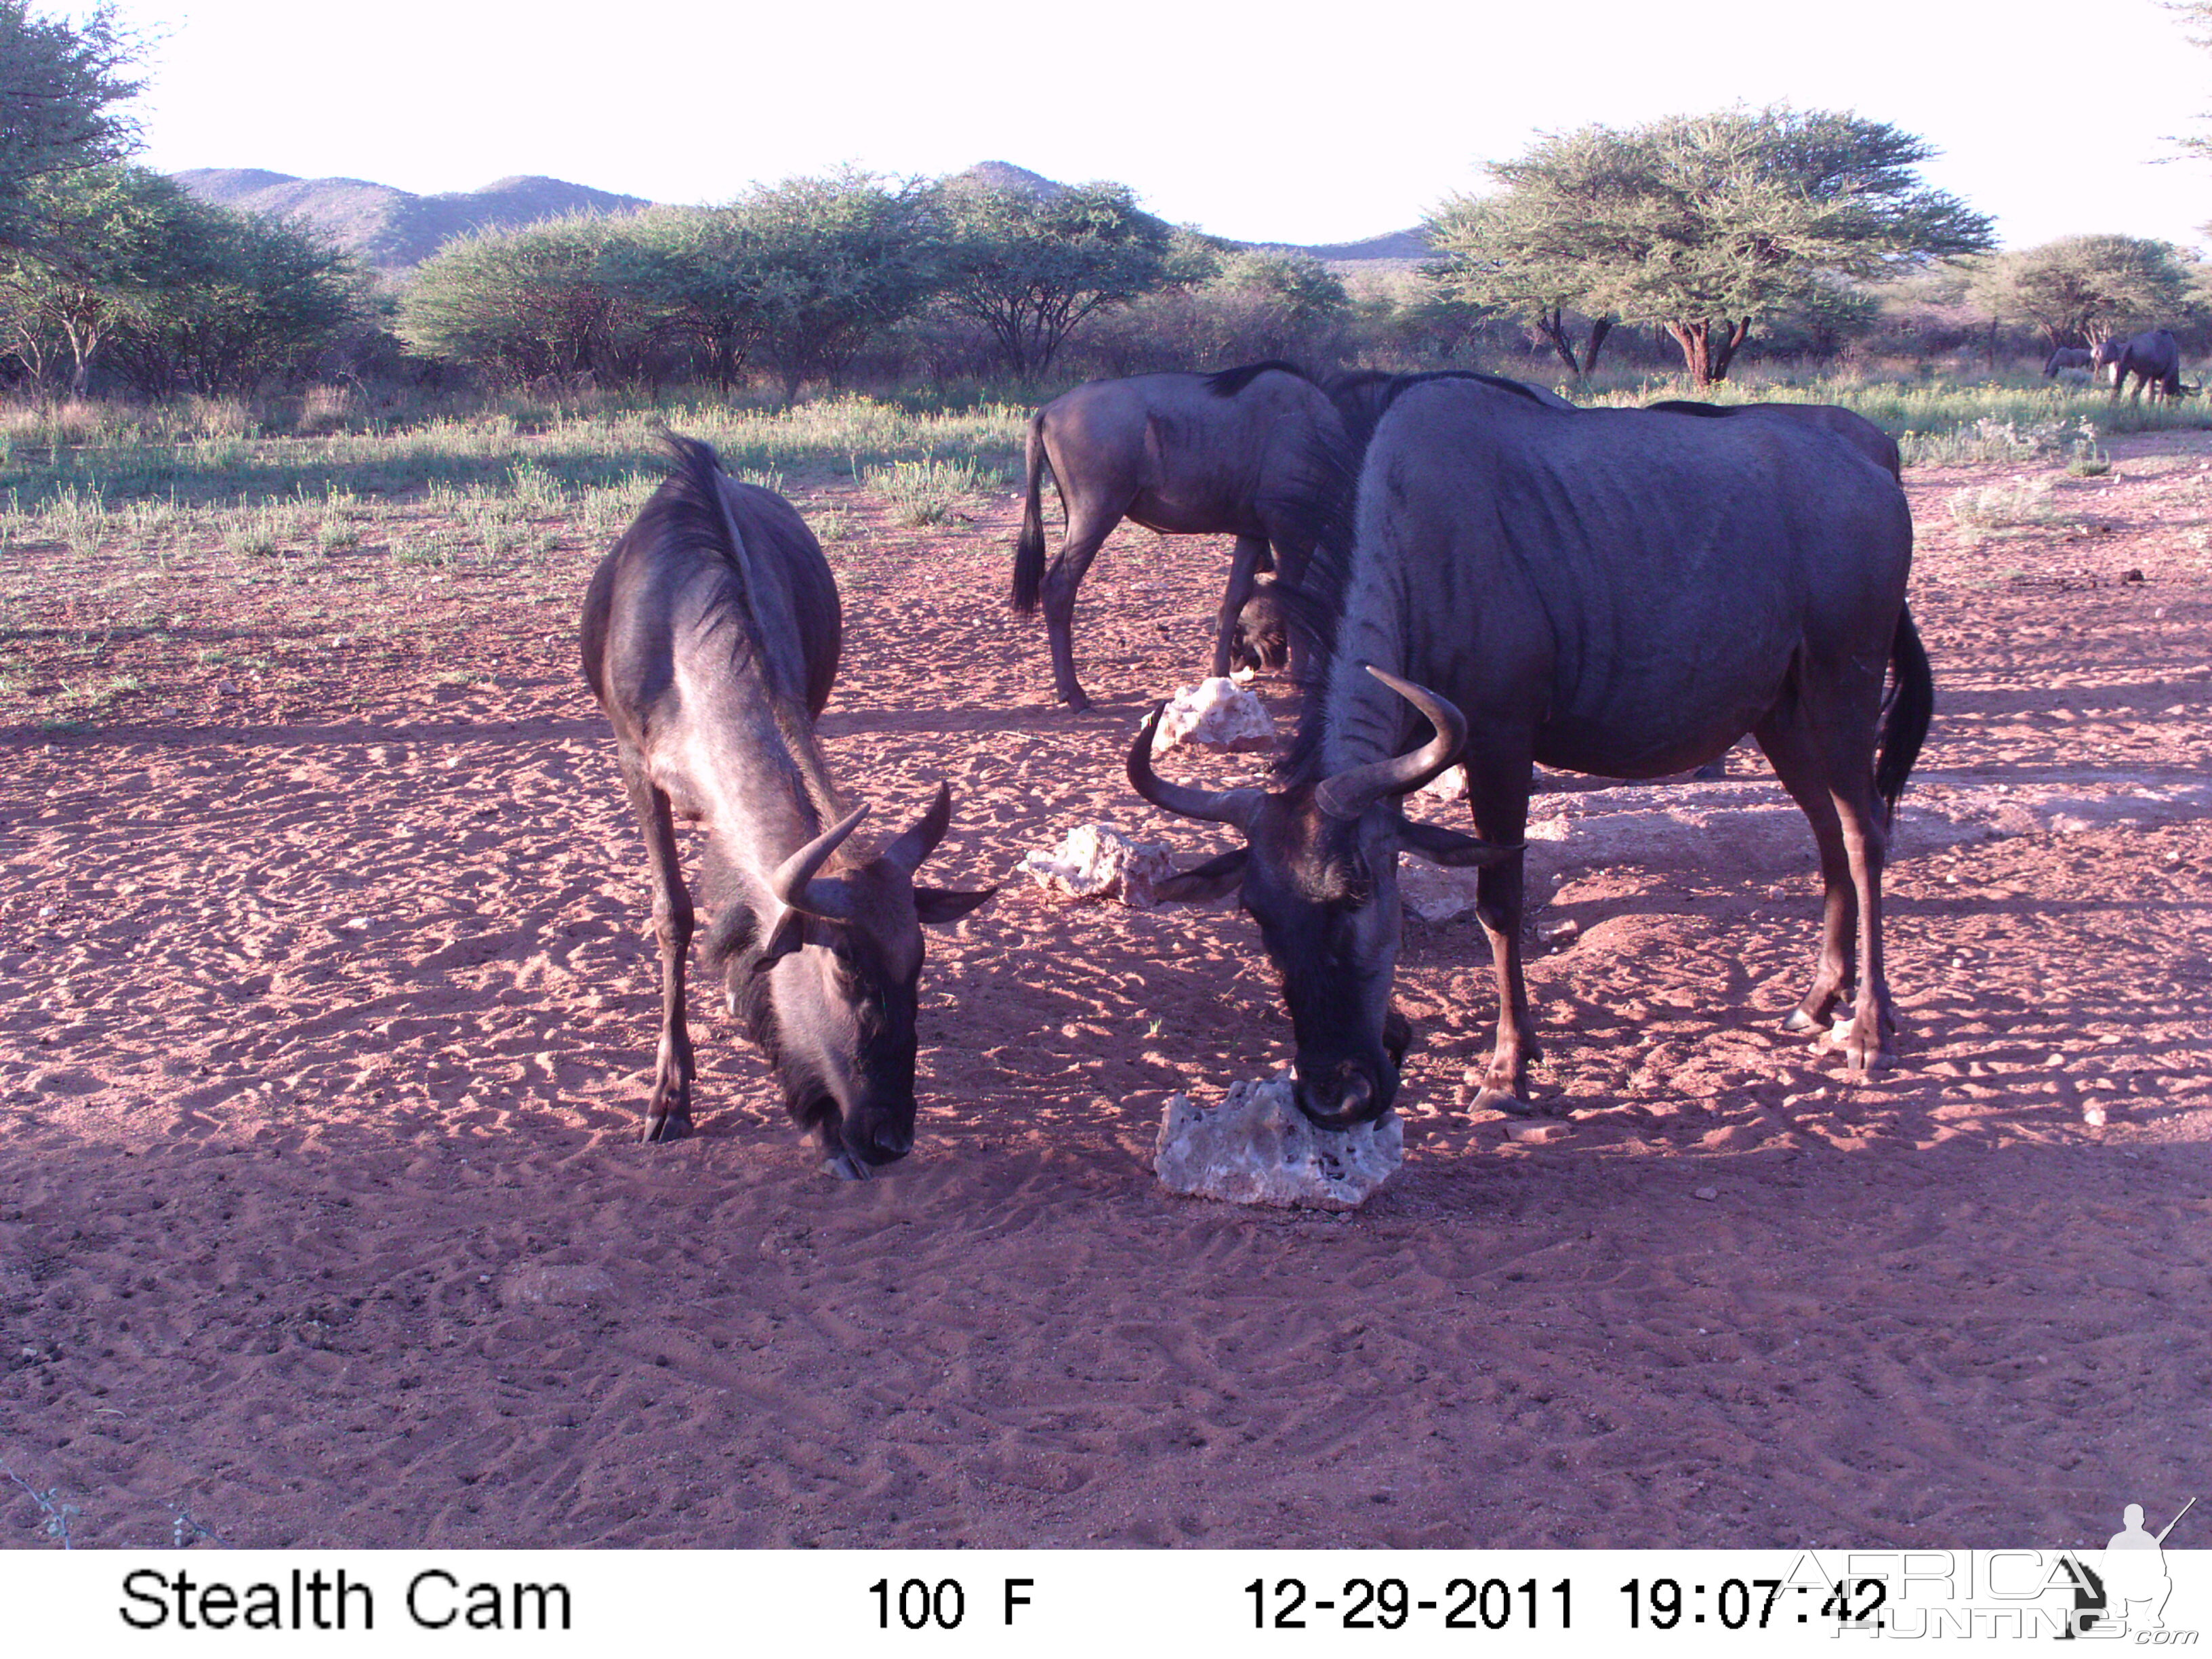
[1257, 1147]
[1093, 862]
[1215, 712]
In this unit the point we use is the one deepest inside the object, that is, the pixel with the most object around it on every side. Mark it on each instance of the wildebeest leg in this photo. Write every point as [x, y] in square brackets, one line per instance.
[1497, 796]
[1792, 750]
[1868, 1046]
[668, 1113]
[1088, 528]
[1251, 558]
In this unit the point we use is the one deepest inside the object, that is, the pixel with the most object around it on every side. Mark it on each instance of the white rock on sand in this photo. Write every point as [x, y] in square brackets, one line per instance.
[1257, 1147]
[1093, 862]
[1215, 712]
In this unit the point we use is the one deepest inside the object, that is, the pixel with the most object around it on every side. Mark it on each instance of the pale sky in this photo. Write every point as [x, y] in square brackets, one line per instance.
[1263, 123]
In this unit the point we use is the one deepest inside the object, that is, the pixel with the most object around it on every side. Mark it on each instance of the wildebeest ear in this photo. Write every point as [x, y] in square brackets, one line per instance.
[1209, 880]
[1448, 847]
[790, 933]
[935, 906]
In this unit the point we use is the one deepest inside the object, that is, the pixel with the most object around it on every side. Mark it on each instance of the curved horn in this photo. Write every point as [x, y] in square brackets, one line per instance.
[911, 847]
[794, 883]
[1349, 793]
[1213, 806]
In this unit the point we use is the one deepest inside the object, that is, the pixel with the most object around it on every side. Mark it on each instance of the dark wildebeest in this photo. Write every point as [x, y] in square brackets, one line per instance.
[710, 638]
[1182, 454]
[1617, 591]
[1854, 428]
[2069, 357]
[2154, 357]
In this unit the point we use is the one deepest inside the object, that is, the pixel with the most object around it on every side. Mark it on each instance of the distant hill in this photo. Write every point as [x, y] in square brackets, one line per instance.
[1005, 175]
[391, 230]
[394, 230]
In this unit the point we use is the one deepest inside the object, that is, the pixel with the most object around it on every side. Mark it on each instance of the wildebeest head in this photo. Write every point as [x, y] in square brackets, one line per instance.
[831, 991]
[1262, 636]
[1319, 873]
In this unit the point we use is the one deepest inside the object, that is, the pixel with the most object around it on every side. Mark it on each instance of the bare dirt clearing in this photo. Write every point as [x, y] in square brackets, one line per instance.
[326, 1006]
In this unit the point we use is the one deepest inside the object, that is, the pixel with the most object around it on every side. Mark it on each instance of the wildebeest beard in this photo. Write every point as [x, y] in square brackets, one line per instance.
[731, 953]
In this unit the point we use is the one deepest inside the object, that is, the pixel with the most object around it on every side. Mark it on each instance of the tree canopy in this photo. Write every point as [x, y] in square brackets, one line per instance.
[1702, 225]
[60, 86]
[2080, 290]
[1031, 267]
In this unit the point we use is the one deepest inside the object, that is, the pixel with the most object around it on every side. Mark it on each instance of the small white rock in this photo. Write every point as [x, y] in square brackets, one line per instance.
[1450, 784]
[1559, 932]
[1094, 862]
[2093, 1116]
[1257, 1147]
[1215, 712]
[1708, 1193]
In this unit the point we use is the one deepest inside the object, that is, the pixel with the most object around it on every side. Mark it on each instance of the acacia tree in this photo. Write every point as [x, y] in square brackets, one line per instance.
[60, 85]
[826, 264]
[101, 244]
[1705, 225]
[2080, 290]
[525, 304]
[1524, 251]
[245, 298]
[1032, 267]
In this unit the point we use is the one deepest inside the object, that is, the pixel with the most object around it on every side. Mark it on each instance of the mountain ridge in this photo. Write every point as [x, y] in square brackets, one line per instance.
[393, 230]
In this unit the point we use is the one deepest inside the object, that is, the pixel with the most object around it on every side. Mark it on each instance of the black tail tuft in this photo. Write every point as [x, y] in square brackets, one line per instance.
[1912, 706]
[1028, 550]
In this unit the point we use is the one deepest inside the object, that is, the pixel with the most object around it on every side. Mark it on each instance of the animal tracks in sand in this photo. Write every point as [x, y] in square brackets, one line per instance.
[325, 1019]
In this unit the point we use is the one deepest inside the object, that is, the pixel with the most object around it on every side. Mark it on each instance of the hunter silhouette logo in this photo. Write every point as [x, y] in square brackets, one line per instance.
[2127, 1591]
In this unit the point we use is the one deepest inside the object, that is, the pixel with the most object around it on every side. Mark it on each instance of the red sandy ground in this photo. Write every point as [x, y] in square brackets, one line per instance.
[326, 1006]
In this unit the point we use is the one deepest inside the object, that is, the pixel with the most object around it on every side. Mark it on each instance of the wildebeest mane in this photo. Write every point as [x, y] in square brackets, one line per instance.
[688, 513]
[1325, 510]
[1364, 395]
[1230, 381]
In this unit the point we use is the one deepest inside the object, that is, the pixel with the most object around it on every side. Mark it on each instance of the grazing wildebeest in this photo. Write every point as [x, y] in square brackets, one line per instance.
[2154, 357]
[2069, 357]
[1617, 591]
[1182, 454]
[710, 637]
[1262, 638]
[1854, 428]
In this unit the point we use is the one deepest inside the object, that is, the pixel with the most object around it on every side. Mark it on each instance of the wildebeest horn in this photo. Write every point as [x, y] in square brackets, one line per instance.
[794, 884]
[1349, 793]
[1213, 806]
[915, 845]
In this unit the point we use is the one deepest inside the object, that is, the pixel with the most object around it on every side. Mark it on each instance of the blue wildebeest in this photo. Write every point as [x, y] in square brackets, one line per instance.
[2069, 357]
[1182, 454]
[2154, 357]
[710, 638]
[1617, 591]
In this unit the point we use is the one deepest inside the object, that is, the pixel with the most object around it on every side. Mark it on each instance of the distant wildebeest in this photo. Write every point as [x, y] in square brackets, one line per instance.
[1182, 454]
[2154, 357]
[1854, 428]
[1262, 636]
[710, 637]
[1617, 591]
[2067, 357]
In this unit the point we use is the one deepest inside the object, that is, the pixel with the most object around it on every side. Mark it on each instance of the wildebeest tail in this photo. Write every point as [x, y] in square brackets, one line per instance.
[1904, 723]
[1028, 551]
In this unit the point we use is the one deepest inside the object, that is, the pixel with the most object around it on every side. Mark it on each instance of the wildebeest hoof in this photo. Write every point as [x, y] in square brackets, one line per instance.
[1078, 704]
[1492, 1098]
[668, 1126]
[1799, 1020]
[843, 1165]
